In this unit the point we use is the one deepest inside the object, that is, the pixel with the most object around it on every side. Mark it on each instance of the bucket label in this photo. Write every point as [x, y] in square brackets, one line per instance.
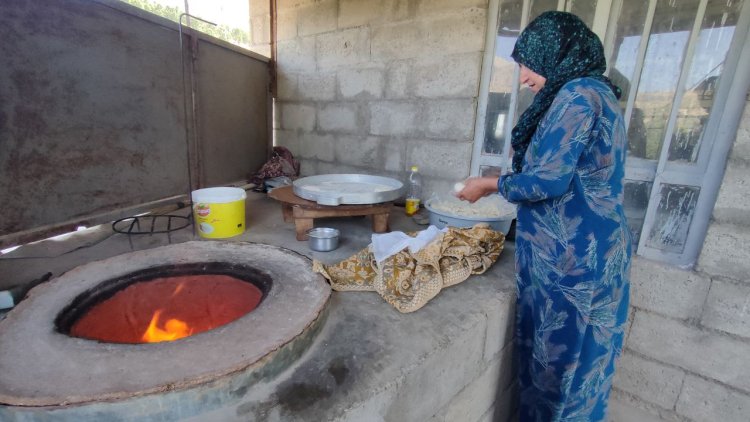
[218, 220]
[206, 228]
[203, 210]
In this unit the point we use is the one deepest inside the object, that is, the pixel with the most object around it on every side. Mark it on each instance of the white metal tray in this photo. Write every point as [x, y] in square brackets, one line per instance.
[337, 189]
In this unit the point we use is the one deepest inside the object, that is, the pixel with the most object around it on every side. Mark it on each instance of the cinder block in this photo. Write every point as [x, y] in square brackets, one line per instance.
[261, 29]
[648, 380]
[286, 86]
[260, 8]
[317, 86]
[336, 167]
[343, 48]
[480, 395]
[339, 117]
[448, 76]
[733, 203]
[439, 377]
[393, 118]
[361, 83]
[728, 308]
[297, 55]
[308, 167]
[440, 159]
[667, 290]
[286, 25]
[500, 326]
[394, 152]
[358, 151]
[446, 7]
[704, 401]
[399, 41]
[319, 147]
[284, 5]
[624, 412]
[297, 116]
[288, 139]
[629, 324]
[703, 352]
[725, 252]
[451, 119]
[741, 147]
[262, 49]
[457, 33]
[317, 18]
[632, 409]
[397, 75]
[359, 12]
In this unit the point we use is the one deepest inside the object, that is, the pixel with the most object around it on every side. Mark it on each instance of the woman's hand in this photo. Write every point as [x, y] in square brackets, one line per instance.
[477, 187]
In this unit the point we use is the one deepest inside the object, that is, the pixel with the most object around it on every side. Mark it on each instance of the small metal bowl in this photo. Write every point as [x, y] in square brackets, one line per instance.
[323, 239]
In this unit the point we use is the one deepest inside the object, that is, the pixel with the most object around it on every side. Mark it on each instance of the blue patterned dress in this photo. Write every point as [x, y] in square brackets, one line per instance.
[572, 256]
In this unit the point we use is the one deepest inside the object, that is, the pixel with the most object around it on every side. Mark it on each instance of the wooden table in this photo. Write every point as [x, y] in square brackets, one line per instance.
[303, 212]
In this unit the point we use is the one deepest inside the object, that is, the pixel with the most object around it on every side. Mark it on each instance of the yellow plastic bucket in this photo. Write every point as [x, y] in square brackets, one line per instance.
[219, 212]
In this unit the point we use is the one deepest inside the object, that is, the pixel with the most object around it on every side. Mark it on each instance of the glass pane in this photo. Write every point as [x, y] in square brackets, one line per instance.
[584, 9]
[526, 95]
[635, 202]
[501, 81]
[673, 217]
[717, 30]
[625, 50]
[540, 6]
[489, 171]
[661, 69]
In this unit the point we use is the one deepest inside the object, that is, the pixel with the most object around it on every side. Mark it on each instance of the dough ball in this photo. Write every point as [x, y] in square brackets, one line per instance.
[458, 187]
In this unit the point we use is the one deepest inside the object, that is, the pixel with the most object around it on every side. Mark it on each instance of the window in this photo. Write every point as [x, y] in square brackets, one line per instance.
[675, 62]
[232, 17]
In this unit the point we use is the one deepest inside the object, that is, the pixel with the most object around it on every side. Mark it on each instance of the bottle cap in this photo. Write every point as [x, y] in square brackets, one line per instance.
[414, 168]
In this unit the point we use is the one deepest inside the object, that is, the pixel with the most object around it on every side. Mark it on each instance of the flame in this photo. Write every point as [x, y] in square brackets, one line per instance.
[173, 329]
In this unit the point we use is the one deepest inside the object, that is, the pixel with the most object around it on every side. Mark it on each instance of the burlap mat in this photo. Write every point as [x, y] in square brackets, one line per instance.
[408, 281]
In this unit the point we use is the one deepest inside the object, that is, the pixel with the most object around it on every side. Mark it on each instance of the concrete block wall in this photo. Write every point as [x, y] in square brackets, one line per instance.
[375, 86]
[260, 27]
[688, 346]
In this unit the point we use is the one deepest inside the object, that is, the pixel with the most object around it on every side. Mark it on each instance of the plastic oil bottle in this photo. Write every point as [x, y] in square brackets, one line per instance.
[414, 192]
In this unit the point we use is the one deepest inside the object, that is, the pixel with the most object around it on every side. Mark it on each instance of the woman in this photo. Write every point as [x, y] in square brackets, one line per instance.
[572, 240]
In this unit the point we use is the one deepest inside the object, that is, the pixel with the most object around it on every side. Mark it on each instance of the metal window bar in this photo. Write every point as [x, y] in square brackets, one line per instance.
[731, 97]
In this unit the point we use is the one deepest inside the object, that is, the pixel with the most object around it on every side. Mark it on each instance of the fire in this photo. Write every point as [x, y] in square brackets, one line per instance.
[173, 329]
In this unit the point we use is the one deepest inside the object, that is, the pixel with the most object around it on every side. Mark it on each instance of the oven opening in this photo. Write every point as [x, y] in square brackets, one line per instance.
[164, 303]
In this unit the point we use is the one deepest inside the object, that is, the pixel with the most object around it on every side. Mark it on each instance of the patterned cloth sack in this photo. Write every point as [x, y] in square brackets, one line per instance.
[409, 280]
[281, 163]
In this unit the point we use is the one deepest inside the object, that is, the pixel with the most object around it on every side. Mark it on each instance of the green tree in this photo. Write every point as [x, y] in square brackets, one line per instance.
[233, 35]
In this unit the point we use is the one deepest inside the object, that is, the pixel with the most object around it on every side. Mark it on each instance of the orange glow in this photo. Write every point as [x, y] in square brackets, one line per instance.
[168, 309]
[173, 329]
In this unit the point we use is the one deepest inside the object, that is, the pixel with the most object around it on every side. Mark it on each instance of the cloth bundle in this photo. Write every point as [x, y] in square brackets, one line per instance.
[409, 280]
[281, 163]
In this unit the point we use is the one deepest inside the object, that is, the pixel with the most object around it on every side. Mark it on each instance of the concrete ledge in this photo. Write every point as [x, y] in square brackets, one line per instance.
[369, 362]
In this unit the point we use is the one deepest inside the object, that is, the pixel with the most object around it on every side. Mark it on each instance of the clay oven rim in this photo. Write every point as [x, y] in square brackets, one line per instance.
[43, 367]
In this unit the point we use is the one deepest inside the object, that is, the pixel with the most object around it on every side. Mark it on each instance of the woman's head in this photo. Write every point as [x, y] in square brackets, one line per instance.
[554, 49]
[559, 47]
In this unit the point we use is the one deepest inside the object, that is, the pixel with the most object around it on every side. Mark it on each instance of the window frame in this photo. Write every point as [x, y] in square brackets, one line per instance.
[724, 119]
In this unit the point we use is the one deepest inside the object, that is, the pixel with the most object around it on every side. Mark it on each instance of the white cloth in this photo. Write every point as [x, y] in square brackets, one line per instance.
[388, 244]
